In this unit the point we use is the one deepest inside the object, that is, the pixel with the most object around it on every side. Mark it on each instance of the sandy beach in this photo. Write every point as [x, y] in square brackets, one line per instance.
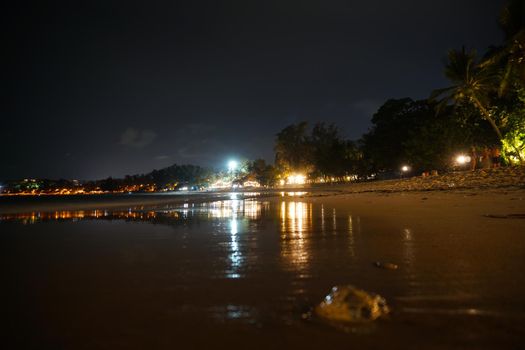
[494, 183]
[155, 273]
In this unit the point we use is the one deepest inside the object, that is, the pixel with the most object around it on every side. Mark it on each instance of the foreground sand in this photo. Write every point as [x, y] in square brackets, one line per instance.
[422, 205]
[215, 279]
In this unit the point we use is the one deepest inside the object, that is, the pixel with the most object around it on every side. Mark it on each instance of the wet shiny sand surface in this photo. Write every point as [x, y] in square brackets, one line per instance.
[240, 273]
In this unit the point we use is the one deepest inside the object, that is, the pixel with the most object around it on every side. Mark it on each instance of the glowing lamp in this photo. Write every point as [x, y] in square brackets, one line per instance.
[462, 159]
[232, 165]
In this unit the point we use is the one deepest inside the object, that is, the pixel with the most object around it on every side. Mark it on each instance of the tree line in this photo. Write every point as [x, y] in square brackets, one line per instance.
[483, 107]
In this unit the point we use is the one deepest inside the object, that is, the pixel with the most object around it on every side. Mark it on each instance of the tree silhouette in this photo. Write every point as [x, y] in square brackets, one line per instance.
[472, 84]
[292, 149]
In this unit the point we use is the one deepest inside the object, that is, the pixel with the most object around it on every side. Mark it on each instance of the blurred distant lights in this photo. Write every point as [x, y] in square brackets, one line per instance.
[221, 183]
[232, 165]
[251, 183]
[296, 179]
[462, 159]
[405, 168]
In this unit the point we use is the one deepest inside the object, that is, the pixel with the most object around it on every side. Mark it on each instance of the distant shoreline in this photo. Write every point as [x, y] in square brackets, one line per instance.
[510, 179]
[14, 204]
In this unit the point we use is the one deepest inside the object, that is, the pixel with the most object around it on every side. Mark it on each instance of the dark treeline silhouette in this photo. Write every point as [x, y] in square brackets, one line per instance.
[320, 152]
[171, 177]
[492, 88]
[484, 107]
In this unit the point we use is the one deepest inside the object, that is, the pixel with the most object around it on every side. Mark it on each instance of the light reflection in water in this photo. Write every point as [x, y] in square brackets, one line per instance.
[334, 222]
[235, 208]
[351, 240]
[323, 225]
[235, 218]
[236, 258]
[408, 246]
[232, 312]
[77, 215]
[293, 194]
[296, 227]
[239, 212]
[246, 208]
[218, 210]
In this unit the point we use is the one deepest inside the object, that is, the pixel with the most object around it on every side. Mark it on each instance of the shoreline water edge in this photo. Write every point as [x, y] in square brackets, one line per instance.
[481, 182]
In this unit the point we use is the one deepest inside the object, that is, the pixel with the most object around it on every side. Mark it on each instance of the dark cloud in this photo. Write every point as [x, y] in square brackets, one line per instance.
[162, 157]
[137, 138]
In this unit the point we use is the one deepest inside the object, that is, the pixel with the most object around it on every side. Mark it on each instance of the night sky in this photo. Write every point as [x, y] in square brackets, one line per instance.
[110, 88]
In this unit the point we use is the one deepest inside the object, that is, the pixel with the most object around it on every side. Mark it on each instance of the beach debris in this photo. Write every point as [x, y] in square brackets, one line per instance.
[386, 265]
[349, 304]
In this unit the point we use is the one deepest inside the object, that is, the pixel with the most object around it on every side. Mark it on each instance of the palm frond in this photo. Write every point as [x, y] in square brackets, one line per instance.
[437, 95]
[459, 64]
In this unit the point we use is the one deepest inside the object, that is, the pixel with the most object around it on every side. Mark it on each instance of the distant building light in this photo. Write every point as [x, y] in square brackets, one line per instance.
[296, 179]
[221, 184]
[251, 184]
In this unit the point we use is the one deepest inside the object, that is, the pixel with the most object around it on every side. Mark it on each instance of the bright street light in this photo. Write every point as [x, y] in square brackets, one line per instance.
[462, 159]
[232, 165]
[405, 168]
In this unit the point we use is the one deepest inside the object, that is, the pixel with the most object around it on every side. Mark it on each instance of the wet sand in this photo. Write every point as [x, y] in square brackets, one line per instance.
[240, 273]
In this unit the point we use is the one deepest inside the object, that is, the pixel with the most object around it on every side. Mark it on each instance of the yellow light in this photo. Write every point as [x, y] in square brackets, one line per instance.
[462, 159]
[221, 184]
[251, 183]
[296, 179]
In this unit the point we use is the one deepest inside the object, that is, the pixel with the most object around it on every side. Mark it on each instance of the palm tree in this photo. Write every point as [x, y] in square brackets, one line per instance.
[472, 84]
[510, 58]
[503, 68]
